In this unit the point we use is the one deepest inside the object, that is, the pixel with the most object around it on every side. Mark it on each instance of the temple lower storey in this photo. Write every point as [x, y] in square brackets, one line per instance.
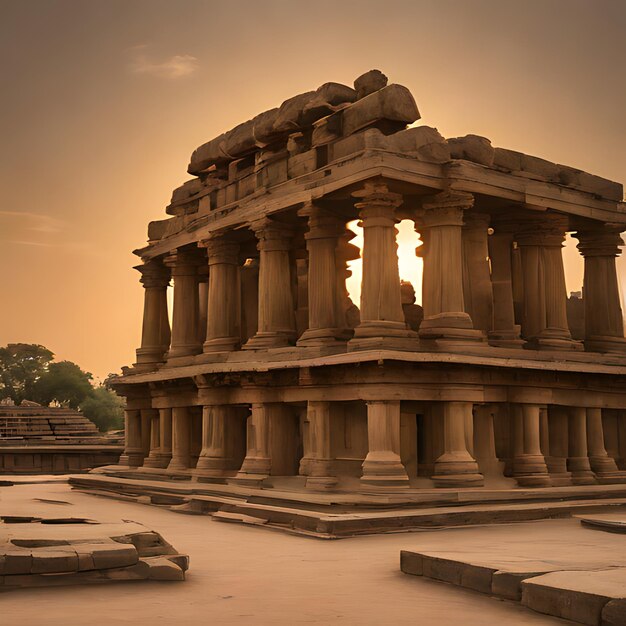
[271, 384]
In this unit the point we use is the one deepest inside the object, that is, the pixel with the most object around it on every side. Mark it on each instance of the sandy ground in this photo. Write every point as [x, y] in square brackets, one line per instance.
[244, 575]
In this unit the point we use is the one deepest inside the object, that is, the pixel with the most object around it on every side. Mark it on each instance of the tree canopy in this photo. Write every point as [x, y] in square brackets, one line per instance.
[29, 372]
[21, 367]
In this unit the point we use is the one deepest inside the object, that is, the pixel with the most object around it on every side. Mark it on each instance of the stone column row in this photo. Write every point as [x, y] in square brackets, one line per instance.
[466, 295]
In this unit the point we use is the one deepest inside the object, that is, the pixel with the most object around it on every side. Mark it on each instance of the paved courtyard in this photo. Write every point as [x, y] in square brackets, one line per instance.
[245, 575]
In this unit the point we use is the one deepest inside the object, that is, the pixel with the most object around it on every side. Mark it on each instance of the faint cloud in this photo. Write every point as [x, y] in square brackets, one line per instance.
[30, 243]
[29, 222]
[176, 66]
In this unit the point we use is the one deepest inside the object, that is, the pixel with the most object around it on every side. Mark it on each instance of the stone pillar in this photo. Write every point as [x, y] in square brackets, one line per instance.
[382, 466]
[382, 318]
[181, 440]
[602, 465]
[146, 416]
[477, 290]
[442, 284]
[257, 465]
[324, 324]
[223, 331]
[529, 464]
[317, 456]
[165, 449]
[155, 334]
[133, 452]
[456, 467]
[578, 458]
[506, 332]
[203, 301]
[154, 459]
[185, 316]
[544, 322]
[249, 276]
[276, 320]
[346, 251]
[558, 437]
[604, 324]
[215, 460]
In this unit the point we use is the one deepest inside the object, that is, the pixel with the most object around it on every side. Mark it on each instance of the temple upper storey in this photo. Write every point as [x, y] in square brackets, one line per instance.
[321, 141]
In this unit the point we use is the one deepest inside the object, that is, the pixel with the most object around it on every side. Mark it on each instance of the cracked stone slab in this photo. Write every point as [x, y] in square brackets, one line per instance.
[36, 552]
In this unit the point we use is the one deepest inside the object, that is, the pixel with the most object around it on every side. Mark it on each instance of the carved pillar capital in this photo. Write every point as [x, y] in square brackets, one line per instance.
[546, 231]
[154, 274]
[322, 223]
[446, 208]
[221, 249]
[183, 262]
[600, 240]
[272, 235]
[377, 205]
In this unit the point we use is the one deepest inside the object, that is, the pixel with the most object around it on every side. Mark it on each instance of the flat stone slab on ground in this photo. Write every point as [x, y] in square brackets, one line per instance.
[577, 575]
[609, 522]
[48, 551]
[587, 597]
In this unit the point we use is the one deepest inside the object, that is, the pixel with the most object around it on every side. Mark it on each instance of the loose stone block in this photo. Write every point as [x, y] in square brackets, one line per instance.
[16, 562]
[472, 148]
[424, 142]
[161, 568]
[393, 103]
[106, 557]
[369, 82]
[53, 561]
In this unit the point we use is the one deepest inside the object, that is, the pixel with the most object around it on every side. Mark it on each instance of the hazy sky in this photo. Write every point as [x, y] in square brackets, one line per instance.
[103, 102]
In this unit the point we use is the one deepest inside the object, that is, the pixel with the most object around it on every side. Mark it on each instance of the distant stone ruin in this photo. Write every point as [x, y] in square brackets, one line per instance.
[37, 439]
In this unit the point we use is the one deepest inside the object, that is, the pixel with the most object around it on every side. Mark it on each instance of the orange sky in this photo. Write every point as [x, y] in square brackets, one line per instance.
[103, 102]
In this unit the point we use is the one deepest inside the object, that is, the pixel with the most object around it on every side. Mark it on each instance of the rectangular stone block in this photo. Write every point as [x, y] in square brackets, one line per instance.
[53, 561]
[106, 557]
[16, 562]
[411, 563]
[394, 103]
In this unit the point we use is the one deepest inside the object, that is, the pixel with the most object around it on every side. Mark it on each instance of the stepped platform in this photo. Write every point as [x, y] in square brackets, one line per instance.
[348, 514]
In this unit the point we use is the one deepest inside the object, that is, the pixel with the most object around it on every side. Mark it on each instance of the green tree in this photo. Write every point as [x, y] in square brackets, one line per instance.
[21, 367]
[64, 382]
[104, 408]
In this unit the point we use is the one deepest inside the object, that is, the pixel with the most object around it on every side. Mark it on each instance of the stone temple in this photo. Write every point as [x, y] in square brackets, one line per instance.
[270, 386]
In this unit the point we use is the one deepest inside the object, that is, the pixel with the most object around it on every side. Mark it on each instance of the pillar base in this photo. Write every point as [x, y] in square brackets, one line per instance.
[164, 460]
[153, 461]
[213, 467]
[265, 340]
[530, 470]
[605, 344]
[324, 337]
[457, 470]
[247, 480]
[147, 367]
[455, 327]
[176, 465]
[553, 339]
[557, 468]
[131, 459]
[606, 471]
[581, 471]
[221, 344]
[182, 351]
[384, 470]
[380, 334]
[150, 357]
